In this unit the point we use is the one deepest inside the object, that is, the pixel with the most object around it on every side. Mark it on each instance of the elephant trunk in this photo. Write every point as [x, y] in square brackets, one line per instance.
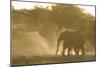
[57, 47]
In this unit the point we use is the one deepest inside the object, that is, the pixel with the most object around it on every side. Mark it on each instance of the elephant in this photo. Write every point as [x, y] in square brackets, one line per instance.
[73, 40]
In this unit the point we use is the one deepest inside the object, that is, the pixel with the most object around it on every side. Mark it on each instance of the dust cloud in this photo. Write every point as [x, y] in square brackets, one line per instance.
[31, 44]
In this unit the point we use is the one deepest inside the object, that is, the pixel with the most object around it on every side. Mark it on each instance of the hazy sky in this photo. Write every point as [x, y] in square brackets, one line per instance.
[29, 5]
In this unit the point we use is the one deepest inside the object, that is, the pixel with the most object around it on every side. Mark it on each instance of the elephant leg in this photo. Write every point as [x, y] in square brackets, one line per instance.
[63, 51]
[77, 51]
[82, 50]
[69, 49]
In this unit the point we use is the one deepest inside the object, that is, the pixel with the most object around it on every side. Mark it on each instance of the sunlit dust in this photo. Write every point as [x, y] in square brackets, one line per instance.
[88, 9]
[30, 5]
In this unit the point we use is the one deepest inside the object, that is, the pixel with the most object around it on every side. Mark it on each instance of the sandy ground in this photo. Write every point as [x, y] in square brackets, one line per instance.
[51, 60]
